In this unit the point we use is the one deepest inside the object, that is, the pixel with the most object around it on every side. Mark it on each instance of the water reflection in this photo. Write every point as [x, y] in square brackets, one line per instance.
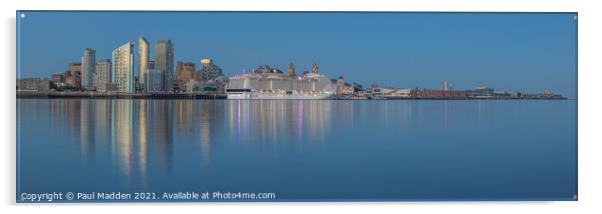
[142, 142]
[301, 148]
[131, 127]
[122, 136]
[278, 121]
[142, 138]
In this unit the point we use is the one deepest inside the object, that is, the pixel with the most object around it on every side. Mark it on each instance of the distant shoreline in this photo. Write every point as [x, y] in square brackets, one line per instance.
[111, 95]
[221, 96]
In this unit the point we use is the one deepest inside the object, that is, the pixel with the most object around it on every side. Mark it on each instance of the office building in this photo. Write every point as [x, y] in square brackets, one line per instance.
[142, 58]
[87, 69]
[164, 61]
[153, 80]
[123, 68]
[185, 71]
[72, 76]
[103, 74]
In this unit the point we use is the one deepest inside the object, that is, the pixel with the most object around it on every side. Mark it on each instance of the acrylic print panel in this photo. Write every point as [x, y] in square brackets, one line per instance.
[167, 106]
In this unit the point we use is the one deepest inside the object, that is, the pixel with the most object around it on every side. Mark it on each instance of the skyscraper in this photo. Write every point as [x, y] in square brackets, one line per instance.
[142, 58]
[88, 65]
[103, 74]
[123, 68]
[164, 61]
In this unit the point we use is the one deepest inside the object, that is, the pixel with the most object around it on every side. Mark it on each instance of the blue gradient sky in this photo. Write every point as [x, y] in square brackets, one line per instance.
[527, 52]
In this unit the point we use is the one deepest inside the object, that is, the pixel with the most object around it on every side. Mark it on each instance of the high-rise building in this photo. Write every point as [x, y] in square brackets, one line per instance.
[185, 71]
[164, 61]
[103, 74]
[87, 72]
[142, 58]
[123, 68]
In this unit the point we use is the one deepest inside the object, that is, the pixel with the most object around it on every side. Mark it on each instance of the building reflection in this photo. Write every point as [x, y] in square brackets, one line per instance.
[142, 142]
[87, 130]
[185, 113]
[138, 136]
[122, 137]
[161, 123]
[205, 133]
[67, 113]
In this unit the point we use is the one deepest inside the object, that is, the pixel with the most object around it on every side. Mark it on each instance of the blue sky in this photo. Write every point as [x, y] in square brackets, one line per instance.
[527, 52]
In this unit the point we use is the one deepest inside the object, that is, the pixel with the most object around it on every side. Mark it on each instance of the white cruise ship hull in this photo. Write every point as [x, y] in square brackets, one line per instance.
[277, 96]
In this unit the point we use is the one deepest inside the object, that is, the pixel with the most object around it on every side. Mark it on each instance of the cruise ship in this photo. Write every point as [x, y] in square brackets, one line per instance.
[266, 82]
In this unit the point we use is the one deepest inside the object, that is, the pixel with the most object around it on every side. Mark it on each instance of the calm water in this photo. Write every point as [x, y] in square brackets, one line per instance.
[302, 150]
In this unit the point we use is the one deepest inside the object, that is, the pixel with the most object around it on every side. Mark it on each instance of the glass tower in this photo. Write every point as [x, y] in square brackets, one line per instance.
[164, 61]
[142, 58]
[88, 64]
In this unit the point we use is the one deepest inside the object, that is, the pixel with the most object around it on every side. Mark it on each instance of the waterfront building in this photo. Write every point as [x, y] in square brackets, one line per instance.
[57, 80]
[200, 87]
[211, 72]
[185, 71]
[396, 93]
[193, 86]
[57, 77]
[153, 80]
[33, 84]
[72, 76]
[164, 61]
[123, 68]
[388, 93]
[103, 74]
[344, 88]
[88, 66]
[142, 58]
[437, 94]
[480, 92]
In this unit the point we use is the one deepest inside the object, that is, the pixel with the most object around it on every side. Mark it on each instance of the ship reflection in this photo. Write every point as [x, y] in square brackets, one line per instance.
[279, 121]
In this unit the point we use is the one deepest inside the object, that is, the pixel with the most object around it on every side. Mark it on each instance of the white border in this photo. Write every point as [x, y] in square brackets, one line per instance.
[589, 104]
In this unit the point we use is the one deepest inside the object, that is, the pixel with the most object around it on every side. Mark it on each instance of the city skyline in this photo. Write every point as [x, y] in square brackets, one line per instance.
[522, 54]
